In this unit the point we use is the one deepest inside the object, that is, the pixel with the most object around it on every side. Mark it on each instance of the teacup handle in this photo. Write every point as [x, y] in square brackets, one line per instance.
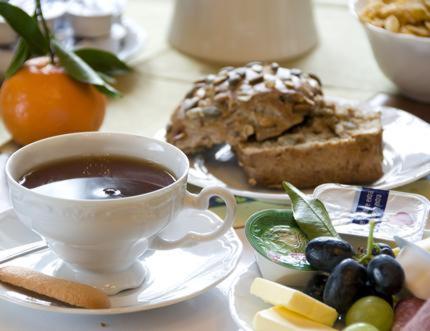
[201, 201]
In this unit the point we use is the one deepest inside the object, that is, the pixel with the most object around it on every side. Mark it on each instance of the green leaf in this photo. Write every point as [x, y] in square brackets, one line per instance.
[109, 91]
[81, 71]
[22, 53]
[103, 61]
[108, 79]
[310, 214]
[26, 27]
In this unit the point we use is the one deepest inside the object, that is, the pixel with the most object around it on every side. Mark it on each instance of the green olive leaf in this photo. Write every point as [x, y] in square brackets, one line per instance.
[102, 61]
[26, 27]
[22, 54]
[310, 214]
[81, 71]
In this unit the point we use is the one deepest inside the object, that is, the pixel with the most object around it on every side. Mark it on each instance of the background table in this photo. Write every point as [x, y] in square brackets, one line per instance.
[342, 59]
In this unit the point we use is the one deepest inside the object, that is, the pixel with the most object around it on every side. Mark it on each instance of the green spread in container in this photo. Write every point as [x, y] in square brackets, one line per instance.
[276, 236]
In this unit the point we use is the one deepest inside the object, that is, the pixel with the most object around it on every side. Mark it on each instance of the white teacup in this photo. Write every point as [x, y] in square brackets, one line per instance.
[100, 241]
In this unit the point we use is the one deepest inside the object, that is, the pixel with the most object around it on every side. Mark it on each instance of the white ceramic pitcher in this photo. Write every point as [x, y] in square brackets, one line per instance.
[237, 31]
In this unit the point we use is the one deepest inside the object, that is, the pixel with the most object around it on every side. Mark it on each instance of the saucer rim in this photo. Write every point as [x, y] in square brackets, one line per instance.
[251, 270]
[230, 236]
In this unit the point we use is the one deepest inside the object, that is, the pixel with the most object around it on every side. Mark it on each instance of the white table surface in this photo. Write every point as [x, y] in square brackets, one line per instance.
[207, 312]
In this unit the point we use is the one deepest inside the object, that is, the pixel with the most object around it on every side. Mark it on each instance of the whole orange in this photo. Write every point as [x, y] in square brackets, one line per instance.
[41, 100]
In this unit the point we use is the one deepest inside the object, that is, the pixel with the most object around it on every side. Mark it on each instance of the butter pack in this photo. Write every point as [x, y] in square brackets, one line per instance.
[396, 213]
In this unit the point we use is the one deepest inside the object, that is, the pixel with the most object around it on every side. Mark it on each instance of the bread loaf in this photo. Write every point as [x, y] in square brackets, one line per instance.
[280, 127]
[334, 145]
[257, 100]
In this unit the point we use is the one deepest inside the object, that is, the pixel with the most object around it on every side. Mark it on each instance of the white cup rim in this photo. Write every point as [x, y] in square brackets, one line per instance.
[12, 181]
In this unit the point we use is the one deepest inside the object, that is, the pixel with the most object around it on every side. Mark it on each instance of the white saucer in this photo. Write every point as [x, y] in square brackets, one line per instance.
[135, 40]
[243, 305]
[406, 158]
[174, 275]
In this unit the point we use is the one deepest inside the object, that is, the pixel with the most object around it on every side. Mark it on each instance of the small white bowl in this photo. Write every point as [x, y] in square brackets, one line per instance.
[110, 43]
[52, 11]
[89, 22]
[404, 59]
[280, 274]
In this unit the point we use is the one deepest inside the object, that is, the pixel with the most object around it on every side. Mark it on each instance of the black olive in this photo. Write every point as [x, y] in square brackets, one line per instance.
[315, 286]
[343, 285]
[386, 274]
[383, 249]
[325, 253]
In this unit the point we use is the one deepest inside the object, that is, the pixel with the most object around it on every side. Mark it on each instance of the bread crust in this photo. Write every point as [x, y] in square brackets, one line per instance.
[72, 293]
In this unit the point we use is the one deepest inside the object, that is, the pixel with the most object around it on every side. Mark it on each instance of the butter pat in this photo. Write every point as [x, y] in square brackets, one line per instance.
[280, 319]
[293, 300]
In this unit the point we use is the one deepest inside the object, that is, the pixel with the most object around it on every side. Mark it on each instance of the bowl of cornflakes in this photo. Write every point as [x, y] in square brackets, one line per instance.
[399, 33]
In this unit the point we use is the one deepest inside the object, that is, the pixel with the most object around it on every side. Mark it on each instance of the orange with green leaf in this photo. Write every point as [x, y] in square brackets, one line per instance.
[49, 90]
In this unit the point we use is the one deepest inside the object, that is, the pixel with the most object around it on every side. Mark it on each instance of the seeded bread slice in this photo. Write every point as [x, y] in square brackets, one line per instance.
[338, 145]
[257, 100]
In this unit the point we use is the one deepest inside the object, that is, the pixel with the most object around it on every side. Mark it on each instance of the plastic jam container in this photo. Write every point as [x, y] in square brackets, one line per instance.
[279, 247]
[397, 213]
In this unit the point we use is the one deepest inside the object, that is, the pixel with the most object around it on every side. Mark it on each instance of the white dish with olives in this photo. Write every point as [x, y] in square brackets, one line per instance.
[359, 277]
